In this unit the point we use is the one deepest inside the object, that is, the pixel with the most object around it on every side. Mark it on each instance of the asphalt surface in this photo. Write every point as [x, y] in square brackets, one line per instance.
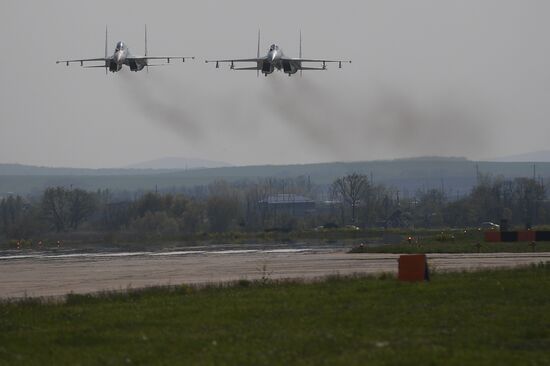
[83, 273]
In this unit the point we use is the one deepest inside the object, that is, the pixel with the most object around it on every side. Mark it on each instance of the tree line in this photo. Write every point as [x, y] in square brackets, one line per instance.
[241, 207]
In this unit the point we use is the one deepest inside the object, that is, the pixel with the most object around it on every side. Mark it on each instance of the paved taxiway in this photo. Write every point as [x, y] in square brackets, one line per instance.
[53, 276]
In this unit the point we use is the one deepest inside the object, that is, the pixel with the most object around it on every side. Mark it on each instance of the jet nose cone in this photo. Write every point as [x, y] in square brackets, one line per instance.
[273, 55]
[118, 57]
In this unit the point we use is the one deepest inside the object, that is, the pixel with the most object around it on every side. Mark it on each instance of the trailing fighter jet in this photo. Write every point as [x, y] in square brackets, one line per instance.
[122, 56]
[276, 59]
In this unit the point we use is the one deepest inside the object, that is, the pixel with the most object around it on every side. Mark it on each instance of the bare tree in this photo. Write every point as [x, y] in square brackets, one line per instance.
[81, 205]
[350, 188]
[55, 204]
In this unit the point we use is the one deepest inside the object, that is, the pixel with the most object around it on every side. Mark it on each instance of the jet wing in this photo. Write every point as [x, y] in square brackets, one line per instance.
[81, 61]
[238, 60]
[246, 68]
[167, 58]
[258, 61]
[316, 60]
[299, 61]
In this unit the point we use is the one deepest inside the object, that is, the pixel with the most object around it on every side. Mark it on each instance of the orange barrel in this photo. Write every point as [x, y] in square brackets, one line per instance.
[413, 268]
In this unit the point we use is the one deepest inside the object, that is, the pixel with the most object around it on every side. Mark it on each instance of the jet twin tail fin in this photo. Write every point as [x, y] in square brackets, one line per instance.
[258, 53]
[147, 66]
[106, 40]
[145, 39]
[300, 49]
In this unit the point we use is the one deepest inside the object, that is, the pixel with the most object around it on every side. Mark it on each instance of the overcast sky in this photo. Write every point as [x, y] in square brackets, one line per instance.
[429, 77]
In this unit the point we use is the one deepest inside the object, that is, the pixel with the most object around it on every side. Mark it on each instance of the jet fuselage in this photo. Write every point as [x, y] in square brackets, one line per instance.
[275, 59]
[122, 56]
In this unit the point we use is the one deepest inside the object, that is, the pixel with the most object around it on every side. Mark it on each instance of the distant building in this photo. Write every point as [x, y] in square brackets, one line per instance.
[288, 203]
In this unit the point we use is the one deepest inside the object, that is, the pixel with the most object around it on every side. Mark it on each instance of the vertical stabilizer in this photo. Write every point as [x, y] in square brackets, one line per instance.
[106, 40]
[145, 40]
[258, 54]
[146, 63]
[300, 51]
[300, 43]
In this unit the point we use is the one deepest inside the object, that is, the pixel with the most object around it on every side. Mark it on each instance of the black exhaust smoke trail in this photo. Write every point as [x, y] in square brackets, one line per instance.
[305, 108]
[192, 111]
[162, 100]
[378, 121]
[337, 121]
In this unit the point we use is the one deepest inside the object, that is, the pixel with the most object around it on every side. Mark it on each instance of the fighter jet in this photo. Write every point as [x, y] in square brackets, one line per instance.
[122, 56]
[276, 59]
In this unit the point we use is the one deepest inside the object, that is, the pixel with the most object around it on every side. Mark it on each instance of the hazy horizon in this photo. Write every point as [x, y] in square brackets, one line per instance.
[171, 163]
[429, 78]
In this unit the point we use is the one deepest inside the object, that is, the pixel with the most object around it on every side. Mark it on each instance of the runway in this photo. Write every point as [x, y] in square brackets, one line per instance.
[28, 275]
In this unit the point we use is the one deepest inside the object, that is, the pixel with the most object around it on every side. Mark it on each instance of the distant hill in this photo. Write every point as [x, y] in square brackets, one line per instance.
[455, 175]
[432, 158]
[19, 169]
[530, 157]
[178, 163]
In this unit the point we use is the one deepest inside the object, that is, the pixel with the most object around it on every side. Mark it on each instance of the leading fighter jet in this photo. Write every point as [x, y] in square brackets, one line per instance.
[122, 56]
[276, 59]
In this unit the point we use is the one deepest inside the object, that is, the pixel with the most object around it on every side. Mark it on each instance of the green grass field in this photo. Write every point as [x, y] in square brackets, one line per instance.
[485, 318]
